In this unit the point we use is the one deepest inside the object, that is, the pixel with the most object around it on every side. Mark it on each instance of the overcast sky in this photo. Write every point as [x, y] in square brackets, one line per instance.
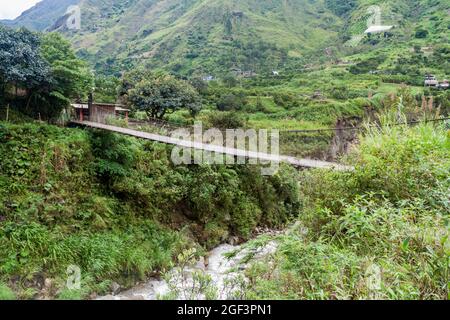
[10, 9]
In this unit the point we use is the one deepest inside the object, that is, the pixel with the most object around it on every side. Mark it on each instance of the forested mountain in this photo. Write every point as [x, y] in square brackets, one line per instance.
[212, 36]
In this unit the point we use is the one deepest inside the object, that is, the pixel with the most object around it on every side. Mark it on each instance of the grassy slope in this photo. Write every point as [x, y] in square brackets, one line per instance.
[190, 37]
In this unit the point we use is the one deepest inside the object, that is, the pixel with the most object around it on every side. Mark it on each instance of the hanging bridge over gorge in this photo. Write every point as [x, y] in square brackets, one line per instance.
[263, 157]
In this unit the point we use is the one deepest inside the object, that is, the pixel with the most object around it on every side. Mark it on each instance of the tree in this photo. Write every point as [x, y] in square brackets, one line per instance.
[106, 88]
[130, 80]
[200, 85]
[21, 64]
[72, 77]
[46, 67]
[230, 101]
[226, 120]
[159, 94]
[228, 25]
[230, 80]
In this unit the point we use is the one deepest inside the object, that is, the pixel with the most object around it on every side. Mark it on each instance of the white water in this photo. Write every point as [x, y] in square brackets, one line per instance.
[226, 275]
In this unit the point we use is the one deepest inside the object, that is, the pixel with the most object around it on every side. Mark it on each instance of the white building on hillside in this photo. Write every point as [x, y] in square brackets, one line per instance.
[378, 29]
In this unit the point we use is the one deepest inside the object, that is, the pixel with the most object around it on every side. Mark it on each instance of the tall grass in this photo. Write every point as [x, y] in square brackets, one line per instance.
[380, 232]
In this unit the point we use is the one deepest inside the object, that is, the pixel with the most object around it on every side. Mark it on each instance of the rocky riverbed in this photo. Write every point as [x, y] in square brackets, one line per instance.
[219, 275]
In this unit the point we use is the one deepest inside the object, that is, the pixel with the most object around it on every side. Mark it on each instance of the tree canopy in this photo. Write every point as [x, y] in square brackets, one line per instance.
[20, 61]
[72, 77]
[45, 67]
[158, 94]
[341, 7]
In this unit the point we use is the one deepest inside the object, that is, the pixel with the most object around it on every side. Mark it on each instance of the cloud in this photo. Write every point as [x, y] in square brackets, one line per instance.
[12, 9]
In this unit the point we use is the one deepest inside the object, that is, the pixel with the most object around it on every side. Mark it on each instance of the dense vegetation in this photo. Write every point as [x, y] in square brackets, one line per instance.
[40, 74]
[157, 94]
[122, 211]
[381, 232]
[117, 207]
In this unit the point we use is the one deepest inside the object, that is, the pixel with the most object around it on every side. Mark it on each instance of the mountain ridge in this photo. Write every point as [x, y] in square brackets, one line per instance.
[42, 15]
[201, 37]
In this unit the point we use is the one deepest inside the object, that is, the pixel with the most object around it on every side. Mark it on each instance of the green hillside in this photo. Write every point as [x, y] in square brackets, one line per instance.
[202, 37]
[209, 37]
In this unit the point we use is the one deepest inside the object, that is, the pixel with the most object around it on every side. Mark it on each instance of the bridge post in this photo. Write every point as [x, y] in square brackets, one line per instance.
[90, 103]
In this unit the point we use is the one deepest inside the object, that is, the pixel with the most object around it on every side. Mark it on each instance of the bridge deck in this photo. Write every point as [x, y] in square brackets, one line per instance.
[307, 163]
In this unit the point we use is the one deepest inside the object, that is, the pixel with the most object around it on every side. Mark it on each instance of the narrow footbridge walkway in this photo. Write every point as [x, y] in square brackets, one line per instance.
[305, 163]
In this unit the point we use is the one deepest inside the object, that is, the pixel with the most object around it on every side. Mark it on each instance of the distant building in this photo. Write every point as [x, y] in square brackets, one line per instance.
[236, 71]
[99, 112]
[249, 74]
[17, 91]
[378, 29]
[238, 14]
[208, 78]
[244, 74]
[431, 81]
[275, 73]
[444, 85]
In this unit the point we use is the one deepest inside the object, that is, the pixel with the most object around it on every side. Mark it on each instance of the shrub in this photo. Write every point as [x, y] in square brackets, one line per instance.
[421, 33]
[226, 120]
[231, 102]
[6, 293]
[380, 232]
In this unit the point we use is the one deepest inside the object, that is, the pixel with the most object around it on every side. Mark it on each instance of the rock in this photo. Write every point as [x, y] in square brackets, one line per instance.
[108, 298]
[48, 283]
[233, 241]
[133, 298]
[115, 288]
[201, 264]
[225, 236]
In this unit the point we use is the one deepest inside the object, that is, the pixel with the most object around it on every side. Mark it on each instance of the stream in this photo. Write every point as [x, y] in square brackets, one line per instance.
[222, 270]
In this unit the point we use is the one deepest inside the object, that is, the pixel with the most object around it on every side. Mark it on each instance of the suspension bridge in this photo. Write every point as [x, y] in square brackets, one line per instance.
[262, 157]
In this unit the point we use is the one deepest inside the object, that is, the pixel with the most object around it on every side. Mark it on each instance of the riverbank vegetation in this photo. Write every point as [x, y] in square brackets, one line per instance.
[380, 232]
[117, 208]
